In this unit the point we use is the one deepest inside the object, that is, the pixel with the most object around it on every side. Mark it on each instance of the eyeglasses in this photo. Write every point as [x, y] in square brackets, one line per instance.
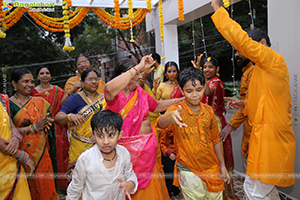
[83, 62]
[92, 79]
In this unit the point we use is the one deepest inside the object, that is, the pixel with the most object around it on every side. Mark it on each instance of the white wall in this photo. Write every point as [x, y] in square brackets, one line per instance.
[284, 32]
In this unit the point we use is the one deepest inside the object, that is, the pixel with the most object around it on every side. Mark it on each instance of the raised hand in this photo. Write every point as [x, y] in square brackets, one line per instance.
[197, 64]
[176, 118]
[156, 83]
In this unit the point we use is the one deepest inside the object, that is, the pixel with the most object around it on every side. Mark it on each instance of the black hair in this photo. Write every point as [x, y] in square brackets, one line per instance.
[82, 54]
[258, 35]
[213, 60]
[123, 65]
[107, 120]
[86, 72]
[41, 67]
[169, 64]
[190, 74]
[156, 57]
[17, 74]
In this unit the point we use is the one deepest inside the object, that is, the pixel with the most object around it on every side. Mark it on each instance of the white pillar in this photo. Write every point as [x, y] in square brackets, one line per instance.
[171, 43]
[284, 30]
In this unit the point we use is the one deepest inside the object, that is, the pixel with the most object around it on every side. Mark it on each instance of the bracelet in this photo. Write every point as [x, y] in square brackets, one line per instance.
[69, 117]
[26, 157]
[31, 128]
[135, 69]
[34, 126]
[21, 157]
[17, 135]
[131, 74]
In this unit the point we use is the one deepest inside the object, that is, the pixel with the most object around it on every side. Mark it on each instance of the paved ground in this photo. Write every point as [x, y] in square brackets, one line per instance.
[238, 188]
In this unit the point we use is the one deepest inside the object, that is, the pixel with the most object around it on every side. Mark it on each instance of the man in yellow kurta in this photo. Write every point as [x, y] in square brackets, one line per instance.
[239, 118]
[272, 142]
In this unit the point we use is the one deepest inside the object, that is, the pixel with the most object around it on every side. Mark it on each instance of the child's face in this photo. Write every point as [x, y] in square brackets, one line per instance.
[193, 94]
[107, 141]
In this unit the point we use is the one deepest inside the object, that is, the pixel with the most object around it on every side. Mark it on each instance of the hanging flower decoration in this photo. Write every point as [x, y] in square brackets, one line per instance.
[149, 6]
[117, 13]
[226, 3]
[110, 20]
[68, 45]
[3, 25]
[130, 13]
[180, 10]
[161, 27]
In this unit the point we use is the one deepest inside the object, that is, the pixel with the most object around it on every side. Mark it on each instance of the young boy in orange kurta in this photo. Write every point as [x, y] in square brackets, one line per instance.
[199, 158]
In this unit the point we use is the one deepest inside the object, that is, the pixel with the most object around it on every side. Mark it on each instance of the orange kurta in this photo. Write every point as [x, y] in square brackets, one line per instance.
[195, 144]
[239, 117]
[71, 82]
[272, 142]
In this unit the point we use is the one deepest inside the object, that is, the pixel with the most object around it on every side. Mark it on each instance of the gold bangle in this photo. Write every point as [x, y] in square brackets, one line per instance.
[131, 74]
[34, 126]
[31, 128]
[69, 116]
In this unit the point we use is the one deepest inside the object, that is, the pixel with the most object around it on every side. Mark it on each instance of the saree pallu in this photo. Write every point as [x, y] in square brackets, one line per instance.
[60, 154]
[145, 156]
[13, 181]
[41, 183]
[81, 135]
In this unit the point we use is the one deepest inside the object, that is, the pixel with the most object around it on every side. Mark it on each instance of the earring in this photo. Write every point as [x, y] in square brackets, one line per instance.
[217, 74]
[15, 89]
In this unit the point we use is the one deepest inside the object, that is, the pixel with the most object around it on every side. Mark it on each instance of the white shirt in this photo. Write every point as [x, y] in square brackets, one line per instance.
[94, 181]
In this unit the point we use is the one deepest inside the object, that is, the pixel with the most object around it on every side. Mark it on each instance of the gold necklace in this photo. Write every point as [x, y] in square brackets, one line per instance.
[46, 92]
[172, 82]
[35, 108]
[89, 100]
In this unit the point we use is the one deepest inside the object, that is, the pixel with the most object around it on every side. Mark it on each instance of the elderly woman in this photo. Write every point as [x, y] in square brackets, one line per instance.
[123, 95]
[79, 109]
[73, 84]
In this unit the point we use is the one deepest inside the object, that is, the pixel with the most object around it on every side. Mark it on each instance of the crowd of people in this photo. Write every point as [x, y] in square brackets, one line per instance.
[135, 139]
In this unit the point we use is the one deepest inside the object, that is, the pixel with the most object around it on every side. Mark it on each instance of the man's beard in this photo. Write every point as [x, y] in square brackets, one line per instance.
[242, 62]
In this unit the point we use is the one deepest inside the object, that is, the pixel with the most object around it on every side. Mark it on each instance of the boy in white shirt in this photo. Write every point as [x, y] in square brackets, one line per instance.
[104, 171]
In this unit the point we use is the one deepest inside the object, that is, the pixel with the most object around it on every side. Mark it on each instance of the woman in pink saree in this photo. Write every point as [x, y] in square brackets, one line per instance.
[123, 95]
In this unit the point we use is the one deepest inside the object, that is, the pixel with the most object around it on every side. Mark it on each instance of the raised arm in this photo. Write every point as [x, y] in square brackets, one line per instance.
[115, 86]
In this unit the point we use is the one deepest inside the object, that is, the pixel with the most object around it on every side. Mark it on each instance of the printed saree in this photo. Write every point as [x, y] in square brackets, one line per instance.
[54, 97]
[81, 135]
[41, 183]
[13, 182]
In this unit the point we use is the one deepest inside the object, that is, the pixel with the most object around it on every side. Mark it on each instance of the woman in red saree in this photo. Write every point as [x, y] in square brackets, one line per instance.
[214, 96]
[123, 95]
[54, 95]
[31, 117]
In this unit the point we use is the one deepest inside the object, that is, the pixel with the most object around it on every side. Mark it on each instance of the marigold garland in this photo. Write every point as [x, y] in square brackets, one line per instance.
[68, 45]
[2, 20]
[226, 3]
[117, 13]
[130, 13]
[109, 19]
[180, 10]
[57, 24]
[149, 6]
[161, 27]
